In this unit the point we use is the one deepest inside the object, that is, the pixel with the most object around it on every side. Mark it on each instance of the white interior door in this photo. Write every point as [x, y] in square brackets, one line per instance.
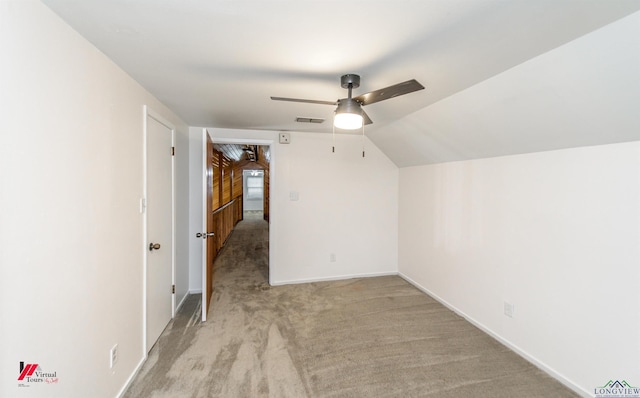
[159, 245]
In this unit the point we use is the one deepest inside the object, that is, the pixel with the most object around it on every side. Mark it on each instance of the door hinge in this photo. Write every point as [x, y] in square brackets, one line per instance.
[173, 289]
[173, 151]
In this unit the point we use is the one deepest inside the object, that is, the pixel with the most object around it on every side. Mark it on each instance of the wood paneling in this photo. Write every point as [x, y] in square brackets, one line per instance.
[232, 151]
[226, 180]
[237, 187]
[224, 219]
[266, 195]
[212, 158]
[215, 160]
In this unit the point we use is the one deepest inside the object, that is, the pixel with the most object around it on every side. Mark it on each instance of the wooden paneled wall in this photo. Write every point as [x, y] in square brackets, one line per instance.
[238, 185]
[215, 160]
[263, 159]
[224, 219]
[227, 172]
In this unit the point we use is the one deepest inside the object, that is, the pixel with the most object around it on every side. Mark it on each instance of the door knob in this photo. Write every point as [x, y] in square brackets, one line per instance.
[205, 235]
[154, 246]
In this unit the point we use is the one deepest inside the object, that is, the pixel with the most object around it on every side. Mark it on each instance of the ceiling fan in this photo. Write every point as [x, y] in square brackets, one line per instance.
[349, 113]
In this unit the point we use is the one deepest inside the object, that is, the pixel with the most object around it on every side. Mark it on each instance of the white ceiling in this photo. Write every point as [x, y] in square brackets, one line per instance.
[216, 63]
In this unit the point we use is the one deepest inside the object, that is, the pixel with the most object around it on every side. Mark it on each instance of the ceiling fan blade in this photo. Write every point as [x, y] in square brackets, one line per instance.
[367, 119]
[305, 100]
[389, 92]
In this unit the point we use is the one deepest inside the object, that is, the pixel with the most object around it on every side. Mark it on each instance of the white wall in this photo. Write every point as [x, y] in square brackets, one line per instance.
[347, 206]
[71, 234]
[557, 234]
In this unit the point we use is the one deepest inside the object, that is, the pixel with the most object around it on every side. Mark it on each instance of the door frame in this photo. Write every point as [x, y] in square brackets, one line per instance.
[243, 141]
[148, 112]
[204, 227]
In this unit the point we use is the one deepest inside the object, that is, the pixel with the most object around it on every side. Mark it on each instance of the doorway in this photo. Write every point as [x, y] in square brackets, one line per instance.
[253, 193]
[260, 151]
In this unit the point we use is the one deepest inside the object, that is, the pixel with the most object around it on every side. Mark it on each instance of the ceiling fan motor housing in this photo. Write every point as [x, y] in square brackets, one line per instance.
[348, 114]
[353, 80]
[348, 105]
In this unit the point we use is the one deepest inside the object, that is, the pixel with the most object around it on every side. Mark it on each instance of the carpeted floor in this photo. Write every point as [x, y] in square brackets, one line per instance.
[369, 337]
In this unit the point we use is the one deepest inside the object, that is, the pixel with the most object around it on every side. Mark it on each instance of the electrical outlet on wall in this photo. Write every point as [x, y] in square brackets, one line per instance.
[113, 356]
[508, 309]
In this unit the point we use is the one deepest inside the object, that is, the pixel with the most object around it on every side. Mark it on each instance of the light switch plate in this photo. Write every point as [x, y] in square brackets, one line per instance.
[285, 138]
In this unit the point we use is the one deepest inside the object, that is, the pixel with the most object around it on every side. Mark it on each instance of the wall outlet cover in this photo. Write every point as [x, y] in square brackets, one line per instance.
[113, 356]
[508, 309]
[285, 138]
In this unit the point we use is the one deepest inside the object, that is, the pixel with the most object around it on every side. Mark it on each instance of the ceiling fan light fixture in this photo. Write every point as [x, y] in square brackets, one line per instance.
[348, 121]
[348, 115]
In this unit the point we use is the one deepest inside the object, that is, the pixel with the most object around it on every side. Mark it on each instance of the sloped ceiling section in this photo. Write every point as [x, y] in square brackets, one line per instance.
[586, 92]
[494, 83]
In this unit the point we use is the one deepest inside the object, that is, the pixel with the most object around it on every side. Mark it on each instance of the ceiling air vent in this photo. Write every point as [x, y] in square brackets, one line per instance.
[309, 120]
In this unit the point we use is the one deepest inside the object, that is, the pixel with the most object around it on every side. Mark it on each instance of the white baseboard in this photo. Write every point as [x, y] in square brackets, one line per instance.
[331, 278]
[182, 301]
[195, 291]
[144, 359]
[131, 377]
[530, 358]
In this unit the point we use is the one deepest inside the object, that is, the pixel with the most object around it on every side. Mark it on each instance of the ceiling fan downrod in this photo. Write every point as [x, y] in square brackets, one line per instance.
[350, 82]
[349, 106]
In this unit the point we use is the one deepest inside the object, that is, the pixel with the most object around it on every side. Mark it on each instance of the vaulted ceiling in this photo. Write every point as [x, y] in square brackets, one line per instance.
[494, 83]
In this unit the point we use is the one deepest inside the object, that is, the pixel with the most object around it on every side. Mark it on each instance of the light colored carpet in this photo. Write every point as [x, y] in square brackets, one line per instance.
[369, 337]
